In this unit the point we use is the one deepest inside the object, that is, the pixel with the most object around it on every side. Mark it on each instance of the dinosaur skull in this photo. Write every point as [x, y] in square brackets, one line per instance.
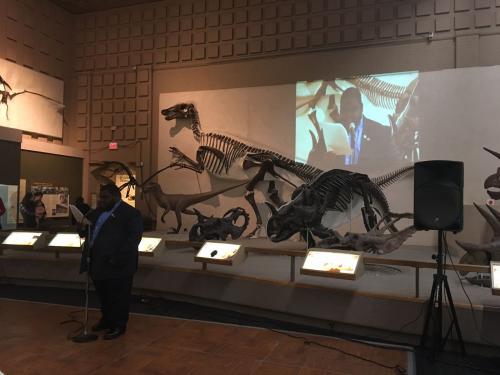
[178, 111]
[492, 183]
[291, 218]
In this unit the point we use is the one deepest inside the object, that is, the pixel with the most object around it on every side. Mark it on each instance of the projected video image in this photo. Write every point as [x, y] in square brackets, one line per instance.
[364, 121]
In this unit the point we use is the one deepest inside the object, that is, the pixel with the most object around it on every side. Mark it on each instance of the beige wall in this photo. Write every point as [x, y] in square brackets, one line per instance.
[115, 63]
[36, 34]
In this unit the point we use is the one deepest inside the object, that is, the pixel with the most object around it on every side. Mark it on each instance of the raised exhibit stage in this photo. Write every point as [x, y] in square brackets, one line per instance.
[384, 298]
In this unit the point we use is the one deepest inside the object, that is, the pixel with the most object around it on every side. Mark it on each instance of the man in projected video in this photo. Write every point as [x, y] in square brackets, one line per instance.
[369, 141]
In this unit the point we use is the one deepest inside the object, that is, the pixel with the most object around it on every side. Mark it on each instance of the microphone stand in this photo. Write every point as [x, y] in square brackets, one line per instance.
[85, 336]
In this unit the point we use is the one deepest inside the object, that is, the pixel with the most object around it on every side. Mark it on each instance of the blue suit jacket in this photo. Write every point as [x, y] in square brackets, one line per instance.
[114, 253]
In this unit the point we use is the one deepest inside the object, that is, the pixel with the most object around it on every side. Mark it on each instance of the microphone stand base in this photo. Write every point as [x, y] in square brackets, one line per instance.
[84, 337]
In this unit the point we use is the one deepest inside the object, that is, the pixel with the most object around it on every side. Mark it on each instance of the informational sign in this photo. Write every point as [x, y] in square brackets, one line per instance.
[333, 263]
[66, 240]
[22, 238]
[495, 278]
[149, 244]
[8, 195]
[55, 199]
[220, 252]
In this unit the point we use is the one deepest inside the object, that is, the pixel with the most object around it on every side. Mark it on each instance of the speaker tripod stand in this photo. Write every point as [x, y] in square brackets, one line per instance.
[435, 308]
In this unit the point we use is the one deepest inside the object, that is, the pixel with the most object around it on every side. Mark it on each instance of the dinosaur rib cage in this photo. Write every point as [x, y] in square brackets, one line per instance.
[380, 93]
[336, 188]
[233, 150]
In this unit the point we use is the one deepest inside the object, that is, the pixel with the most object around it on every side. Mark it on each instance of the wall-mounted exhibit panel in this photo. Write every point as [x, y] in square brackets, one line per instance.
[8, 196]
[58, 177]
[34, 101]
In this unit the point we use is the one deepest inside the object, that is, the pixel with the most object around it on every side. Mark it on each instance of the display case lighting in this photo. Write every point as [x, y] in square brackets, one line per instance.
[148, 245]
[22, 238]
[220, 252]
[333, 263]
[495, 278]
[66, 240]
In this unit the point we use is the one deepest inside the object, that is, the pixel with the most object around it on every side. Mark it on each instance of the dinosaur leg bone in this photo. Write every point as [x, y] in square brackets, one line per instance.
[369, 216]
[181, 160]
[273, 194]
[178, 216]
[249, 196]
[265, 167]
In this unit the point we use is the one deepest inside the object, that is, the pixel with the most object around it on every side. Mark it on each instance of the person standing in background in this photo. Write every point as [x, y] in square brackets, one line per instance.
[27, 210]
[40, 211]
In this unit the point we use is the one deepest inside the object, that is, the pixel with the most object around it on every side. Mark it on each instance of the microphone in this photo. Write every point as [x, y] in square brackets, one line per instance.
[352, 132]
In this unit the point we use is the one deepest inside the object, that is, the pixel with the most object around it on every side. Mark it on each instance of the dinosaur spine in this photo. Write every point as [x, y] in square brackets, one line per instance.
[392, 177]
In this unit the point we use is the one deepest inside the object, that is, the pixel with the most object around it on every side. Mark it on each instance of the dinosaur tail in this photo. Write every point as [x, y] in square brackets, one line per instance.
[209, 194]
[392, 177]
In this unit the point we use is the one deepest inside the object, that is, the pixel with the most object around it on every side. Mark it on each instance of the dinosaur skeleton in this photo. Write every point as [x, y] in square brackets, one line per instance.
[179, 203]
[227, 157]
[375, 241]
[215, 228]
[492, 182]
[6, 95]
[482, 254]
[108, 169]
[330, 200]
[380, 93]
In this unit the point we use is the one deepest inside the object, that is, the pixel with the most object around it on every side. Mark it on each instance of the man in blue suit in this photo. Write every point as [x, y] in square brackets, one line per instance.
[111, 257]
[371, 142]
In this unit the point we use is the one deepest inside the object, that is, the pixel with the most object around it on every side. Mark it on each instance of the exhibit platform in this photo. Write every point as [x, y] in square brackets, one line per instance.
[389, 296]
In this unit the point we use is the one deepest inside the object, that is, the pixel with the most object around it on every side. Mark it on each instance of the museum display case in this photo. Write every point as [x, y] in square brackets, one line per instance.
[20, 240]
[220, 252]
[333, 263]
[149, 245]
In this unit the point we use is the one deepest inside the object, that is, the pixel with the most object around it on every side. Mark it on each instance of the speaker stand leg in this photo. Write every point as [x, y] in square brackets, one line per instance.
[435, 308]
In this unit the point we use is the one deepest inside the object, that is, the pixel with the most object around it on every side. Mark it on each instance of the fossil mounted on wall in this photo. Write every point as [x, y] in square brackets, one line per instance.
[227, 157]
[180, 203]
[7, 95]
[333, 199]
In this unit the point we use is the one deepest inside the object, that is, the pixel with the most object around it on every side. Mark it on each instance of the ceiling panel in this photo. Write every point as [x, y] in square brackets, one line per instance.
[86, 6]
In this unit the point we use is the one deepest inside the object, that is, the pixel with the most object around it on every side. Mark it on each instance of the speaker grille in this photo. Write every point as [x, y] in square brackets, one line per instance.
[438, 195]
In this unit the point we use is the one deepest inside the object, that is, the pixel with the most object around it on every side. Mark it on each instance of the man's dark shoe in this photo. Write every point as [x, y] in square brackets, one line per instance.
[100, 326]
[113, 333]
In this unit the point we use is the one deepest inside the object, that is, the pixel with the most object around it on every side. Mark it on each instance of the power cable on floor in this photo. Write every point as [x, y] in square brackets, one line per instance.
[476, 326]
[397, 368]
[73, 319]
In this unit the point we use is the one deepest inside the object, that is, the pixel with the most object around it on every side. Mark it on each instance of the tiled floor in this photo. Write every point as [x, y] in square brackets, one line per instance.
[33, 342]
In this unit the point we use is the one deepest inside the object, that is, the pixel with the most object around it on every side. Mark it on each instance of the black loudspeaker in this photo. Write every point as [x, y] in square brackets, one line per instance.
[438, 201]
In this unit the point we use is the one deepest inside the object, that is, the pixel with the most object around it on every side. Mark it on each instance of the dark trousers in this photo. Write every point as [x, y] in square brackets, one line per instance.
[114, 295]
